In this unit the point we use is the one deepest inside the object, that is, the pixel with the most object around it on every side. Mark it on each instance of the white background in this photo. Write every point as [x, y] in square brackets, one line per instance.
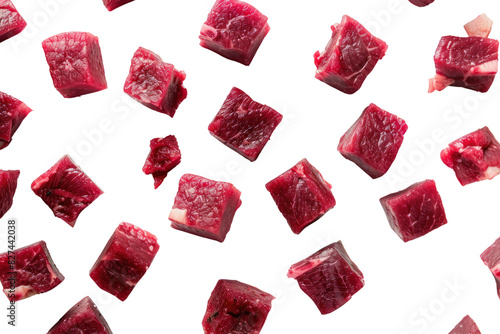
[407, 285]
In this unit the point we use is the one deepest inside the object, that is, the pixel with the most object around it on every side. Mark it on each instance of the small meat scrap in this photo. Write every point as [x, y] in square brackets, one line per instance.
[163, 157]
[480, 26]
[491, 258]
[113, 4]
[12, 113]
[12, 23]
[421, 3]
[8, 186]
[466, 326]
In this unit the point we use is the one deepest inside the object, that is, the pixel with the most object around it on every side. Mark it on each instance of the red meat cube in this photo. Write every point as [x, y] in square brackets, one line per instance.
[234, 29]
[421, 3]
[204, 207]
[12, 23]
[154, 83]
[162, 158]
[66, 190]
[414, 211]
[236, 307]
[124, 260]
[83, 318]
[302, 195]
[113, 4]
[75, 63]
[373, 141]
[328, 277]
[474, 157]
[34, 272]
[243, 124]
[466, 326]
[491, 258]
[350, 55]
[8, 185]
[12, 113]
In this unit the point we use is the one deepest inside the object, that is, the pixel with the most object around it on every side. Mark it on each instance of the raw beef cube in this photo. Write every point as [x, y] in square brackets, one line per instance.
[466, 326]
[124, 261]
[350, 55]
[163, 157]
[75, 63]
[154, 83]
[66, 189]
[302, 195]
[34, 272]
[204, 207]
[8, 185]
[113, 4]
[12, 113]
[479, 27]
[11, 22]
[236, 307]
[491, 258]
[83, 318]
[373, 141]
[414, 211]
[234, 30]
[328, 277]
[421, 3]
[243, 124]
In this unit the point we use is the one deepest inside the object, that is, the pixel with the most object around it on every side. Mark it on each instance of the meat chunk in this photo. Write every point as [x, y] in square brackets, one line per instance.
[8, 185]
[302, 195]
[124, 260]
[373, 141]
[244, 125]
[163, 157]
[75, 63]
[234, 29]
[415, 211]
[113, 4]
[466, 326]
[350, 55]
[12, 113]
[204, 207]
[491, 258]
[479, 27]
[154, 83]
[329, 277]
[236, 307]
[421, 3]
[11, 22]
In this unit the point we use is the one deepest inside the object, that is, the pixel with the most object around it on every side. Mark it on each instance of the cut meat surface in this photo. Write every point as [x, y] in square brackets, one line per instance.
[154, 83]
[479, 27]
[75, 63]
[302, 195]
[243, 124]
[163, 157]
[421, 3]
[236, 308]
[329, 277]
[12, 113]
[373, 141]
[473, 157]
[466, 326]
[235, 30]
[11, 22]
[66, 190]
[83, 318]
[491, 258]
[204, 207]
[35, 272]
[415, 211]
[124, 260]
[8, 185]
[113, 4]
[350, 55]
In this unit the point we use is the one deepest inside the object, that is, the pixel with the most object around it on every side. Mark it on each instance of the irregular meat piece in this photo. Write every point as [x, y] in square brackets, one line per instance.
[491, 258]
[11, 22]
[124, 260]
[414, 211]
[350, 55]
[373, 141]
[236, 308]
[234, 30]
[243, 124]
[302, 195]
[480, 26]
[328, 277]
[163, 157]
[421, 3]
[8, 185]
[113, 4]
[204, 207]
[466, 326]
[12, 113]
[439, 82]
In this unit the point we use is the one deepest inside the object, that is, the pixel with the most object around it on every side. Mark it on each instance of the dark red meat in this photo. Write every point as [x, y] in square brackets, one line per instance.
[491, 258]
[12, 113]
[124, 260]
[234, 30]
[8, 185]
[466, 326]
[243, 124]
[113, 4]
[163, 157]
[302, 195]
[421, 3]
[373, 141]
[11, 22]
[236, 308]
[204, 207]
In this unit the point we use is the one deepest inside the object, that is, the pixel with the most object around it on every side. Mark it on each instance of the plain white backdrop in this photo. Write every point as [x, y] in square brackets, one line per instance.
[424, 286]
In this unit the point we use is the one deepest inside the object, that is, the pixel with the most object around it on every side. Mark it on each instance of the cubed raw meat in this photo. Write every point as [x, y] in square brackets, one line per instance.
[480, 26]
[302, 195]
[163, 157]
[113, 4]
[350, 55]
[373, 141]
[12, 113]
[421, 3]
[329, 277]
[35, 272]
[124, 260]
[243, 124]
[83, 318]
[12, 23]
[414, 211]
[466, 326]
[154, 83]
[66, 190]
[474, 157]
[491, 258]
[75, 63]
[8, 185]
[236, 308]
[204, 207]
[234, 29]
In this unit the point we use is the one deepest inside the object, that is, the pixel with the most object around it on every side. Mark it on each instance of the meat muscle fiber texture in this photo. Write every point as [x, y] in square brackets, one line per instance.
[12, 114]
[466, 326]
[11, 23]
[8, 186]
